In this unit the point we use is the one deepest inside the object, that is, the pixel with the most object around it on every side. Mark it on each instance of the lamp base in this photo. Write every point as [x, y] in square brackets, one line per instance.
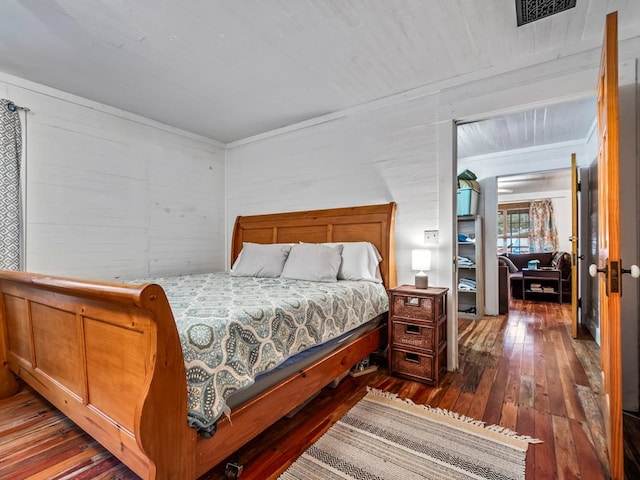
[422, 281]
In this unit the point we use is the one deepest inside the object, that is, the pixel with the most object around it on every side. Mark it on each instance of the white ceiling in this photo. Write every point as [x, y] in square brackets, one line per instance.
[230, 69]
[571, 121]
[557, 180]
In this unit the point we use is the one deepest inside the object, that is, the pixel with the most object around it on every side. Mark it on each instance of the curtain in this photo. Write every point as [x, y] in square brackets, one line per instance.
[543, 236]
[10, 154]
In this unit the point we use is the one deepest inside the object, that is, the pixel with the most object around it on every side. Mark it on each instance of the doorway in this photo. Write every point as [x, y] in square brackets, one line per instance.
[517, 152]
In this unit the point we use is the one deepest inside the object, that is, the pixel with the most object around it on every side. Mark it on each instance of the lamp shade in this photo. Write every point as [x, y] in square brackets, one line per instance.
[421, 260]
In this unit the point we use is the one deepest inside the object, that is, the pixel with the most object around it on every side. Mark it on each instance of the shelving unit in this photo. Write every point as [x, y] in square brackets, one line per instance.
[470, 299]
[540, 283]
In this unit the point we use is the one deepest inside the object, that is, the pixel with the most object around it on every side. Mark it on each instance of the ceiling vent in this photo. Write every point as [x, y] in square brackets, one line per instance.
[528, 11]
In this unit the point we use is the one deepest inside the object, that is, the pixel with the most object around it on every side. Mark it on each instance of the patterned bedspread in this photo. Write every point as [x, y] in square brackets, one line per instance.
[234, 328]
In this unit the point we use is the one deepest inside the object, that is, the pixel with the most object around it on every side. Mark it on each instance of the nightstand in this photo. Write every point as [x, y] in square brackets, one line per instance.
[418, 333]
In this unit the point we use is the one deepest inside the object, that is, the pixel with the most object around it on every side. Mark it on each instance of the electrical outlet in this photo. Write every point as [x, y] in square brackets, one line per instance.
[431, 237]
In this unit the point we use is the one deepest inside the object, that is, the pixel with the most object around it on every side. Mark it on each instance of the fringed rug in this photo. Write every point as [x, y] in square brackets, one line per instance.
[384, 437]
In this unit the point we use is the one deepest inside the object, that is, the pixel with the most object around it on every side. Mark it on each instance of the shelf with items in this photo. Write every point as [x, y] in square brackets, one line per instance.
[470, 273]
[537, 283]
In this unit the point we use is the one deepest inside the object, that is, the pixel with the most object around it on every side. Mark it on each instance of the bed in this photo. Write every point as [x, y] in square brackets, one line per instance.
[108, 355]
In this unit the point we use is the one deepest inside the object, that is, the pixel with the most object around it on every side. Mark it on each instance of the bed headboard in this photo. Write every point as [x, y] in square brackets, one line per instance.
[369, 223]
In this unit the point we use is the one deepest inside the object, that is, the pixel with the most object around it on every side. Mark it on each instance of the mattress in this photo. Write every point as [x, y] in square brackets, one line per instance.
[233, 329]
[300, 361]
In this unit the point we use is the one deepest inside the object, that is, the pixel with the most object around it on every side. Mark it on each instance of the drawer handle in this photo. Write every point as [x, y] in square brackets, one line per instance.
[413, 301]
[412, 357]
[412, 329]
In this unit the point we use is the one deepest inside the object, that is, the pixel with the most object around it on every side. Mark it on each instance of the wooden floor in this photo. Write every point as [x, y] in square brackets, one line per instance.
[631, 422]
[522, 371]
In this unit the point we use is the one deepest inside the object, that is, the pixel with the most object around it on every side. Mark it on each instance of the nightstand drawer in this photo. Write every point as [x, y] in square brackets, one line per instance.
[412, 335]
[419, 365]
[417, 308]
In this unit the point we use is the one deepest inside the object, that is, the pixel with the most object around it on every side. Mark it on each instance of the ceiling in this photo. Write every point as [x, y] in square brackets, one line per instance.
[557, 180]
[571, 121]
[230, 69]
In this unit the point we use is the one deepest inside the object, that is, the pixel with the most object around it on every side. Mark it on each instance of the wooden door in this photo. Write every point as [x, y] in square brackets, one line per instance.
[574, 246]
[609, 243]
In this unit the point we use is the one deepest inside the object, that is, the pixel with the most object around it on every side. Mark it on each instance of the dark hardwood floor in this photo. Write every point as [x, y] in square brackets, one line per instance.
[522, 371]
[631, 430]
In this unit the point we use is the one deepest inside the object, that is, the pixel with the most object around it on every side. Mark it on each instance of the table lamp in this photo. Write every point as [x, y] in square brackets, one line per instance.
[421, 261]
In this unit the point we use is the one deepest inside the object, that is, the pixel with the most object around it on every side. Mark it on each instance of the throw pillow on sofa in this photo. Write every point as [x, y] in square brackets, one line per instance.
[562, 261]
[507, 261]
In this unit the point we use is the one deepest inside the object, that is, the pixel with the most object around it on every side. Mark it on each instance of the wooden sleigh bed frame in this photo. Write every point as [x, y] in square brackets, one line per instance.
[108, 354]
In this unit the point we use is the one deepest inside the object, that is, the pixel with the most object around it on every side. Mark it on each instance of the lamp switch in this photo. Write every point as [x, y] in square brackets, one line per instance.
[431, 236]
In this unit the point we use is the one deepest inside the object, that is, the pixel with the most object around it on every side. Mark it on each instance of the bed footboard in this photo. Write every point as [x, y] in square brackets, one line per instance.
[108, 356]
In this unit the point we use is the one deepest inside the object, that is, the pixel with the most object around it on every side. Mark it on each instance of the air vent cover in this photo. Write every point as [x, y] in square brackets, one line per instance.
[528, 11]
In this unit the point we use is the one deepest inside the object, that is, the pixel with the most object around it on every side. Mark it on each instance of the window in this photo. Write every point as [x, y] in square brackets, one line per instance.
[513, 228]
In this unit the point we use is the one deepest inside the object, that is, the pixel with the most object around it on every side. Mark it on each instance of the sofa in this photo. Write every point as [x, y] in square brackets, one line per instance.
[504, 288]
[515, 262]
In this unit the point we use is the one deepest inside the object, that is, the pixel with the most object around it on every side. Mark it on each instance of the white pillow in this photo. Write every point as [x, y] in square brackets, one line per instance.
[314, 262]
[360, 261]
[258, 260]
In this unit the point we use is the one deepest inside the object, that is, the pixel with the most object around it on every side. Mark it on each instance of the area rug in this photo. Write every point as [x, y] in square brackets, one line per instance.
[384, 437]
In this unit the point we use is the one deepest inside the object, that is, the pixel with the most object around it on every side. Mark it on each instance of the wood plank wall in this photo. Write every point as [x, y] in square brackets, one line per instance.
[112, 195]
[369, 157]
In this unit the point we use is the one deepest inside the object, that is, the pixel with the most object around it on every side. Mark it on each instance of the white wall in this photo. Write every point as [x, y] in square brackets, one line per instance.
[630, 237]
[489, 196]
[367, 157]
[114, 195]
